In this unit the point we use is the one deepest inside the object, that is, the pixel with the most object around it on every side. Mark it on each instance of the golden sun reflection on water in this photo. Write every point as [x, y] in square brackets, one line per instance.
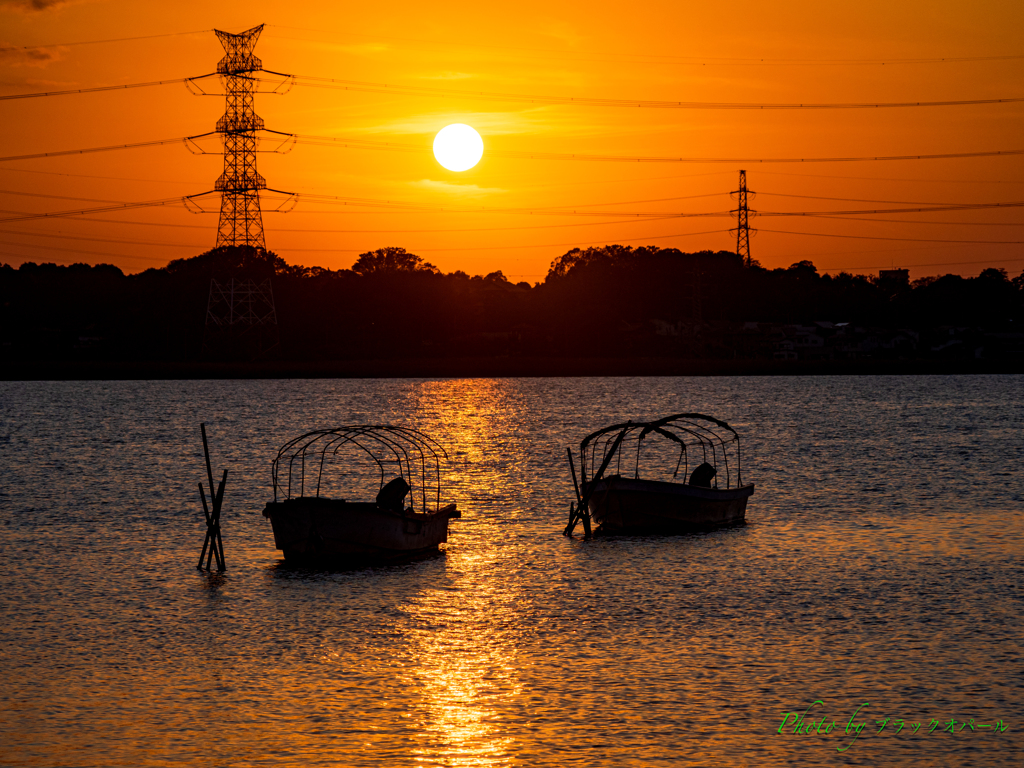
[463, 659]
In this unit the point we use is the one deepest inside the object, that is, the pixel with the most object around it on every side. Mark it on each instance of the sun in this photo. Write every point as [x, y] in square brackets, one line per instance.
[458, 147]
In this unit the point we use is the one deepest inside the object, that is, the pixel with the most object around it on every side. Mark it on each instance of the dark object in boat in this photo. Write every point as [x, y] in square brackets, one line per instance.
[314, 529]
[658, 502]
[703, 475]
[393, 494]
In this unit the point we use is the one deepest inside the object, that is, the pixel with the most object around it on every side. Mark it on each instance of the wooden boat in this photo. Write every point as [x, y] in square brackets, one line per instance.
[314, 528]
[713, 495]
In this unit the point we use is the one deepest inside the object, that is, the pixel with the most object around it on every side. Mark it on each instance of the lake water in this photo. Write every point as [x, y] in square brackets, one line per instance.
[881, 568]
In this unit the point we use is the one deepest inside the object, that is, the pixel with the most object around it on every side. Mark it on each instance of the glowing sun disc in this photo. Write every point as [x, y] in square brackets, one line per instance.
[458, 147]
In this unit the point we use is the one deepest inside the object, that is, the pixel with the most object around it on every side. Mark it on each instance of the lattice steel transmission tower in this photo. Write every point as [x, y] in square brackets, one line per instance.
[241, 221]
[241, 318]
[742, 227]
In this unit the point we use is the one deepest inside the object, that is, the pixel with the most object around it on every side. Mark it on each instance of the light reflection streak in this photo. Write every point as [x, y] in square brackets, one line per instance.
[464, 660]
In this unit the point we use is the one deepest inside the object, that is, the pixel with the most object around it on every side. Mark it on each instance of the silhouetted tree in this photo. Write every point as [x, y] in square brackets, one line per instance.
[388, 261]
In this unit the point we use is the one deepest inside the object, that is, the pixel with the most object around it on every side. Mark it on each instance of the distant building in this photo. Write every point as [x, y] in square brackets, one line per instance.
[895, 277]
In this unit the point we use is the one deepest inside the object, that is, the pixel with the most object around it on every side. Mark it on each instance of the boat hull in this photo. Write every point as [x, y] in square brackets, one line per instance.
[331, 530]
[623, 504]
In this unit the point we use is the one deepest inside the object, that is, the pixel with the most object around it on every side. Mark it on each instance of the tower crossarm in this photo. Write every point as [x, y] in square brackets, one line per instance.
[239, 57]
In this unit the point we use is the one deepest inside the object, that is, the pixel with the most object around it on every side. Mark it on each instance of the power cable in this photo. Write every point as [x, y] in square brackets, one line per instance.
[103, 209]
[934, 264]
[321, 231]
[897, 239]
[668, 58]
[396, 146]
[398, 205]
[56, 197]
[931, 209]
[98, 42]
[80, 250]
[369, 144]
[108, 178]
[58, 236]
[587, 101]
[852, 199]
[100, 88]
[91, 150]
[574, 244]
[934, 223]
[888, 178]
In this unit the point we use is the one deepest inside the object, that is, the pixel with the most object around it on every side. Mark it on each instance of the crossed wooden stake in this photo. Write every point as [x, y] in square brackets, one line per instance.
[213, 540]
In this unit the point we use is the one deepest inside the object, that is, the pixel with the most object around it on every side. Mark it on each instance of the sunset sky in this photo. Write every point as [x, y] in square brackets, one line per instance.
[514, 212]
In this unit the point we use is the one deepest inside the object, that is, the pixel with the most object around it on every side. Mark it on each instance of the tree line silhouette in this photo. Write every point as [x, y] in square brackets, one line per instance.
[612, 301]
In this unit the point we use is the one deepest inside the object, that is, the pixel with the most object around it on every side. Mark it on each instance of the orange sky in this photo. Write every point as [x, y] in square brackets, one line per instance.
[783, 52]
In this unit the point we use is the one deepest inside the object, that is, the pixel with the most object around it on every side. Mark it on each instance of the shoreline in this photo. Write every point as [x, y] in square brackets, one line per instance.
[489, 367]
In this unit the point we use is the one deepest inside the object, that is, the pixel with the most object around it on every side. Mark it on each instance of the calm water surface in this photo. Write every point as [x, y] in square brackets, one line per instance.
[881, 564]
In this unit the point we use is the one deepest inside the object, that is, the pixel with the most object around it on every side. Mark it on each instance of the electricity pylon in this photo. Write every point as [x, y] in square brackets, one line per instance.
[742, 228]
[241, 221]
[241, 319]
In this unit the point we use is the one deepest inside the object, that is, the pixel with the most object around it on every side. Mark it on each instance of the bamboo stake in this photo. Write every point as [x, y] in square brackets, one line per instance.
[206, 450]
[572, 468]
[206, 514]
[583, 510]
[221, 566]
[213, 544]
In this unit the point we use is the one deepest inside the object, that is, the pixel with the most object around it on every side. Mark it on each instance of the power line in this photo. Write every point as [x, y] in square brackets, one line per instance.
[56, 197]
[104, 209]
[91, 150]
[580, 101]
[897, 239]
[94, 176]
[565, 211]
[854, 199]
[58, 236]
[889, 178]
[934, 264]
[667, 58]
[930, 209]
[80, 250]
[100, 88]
[369, 144]
[587, 101]
[573, 244]
[933, 223]
[396, 146]
[380, 231]
[98, 42]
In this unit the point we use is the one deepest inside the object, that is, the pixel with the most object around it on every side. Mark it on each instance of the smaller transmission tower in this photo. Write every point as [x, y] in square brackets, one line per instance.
[742, 228]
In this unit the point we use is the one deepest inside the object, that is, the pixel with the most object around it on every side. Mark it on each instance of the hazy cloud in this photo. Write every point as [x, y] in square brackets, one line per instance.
[353, 49]
[447, 76]
[30, 6]
[463, 190]
[532, 120]
[29, 57]
[561, 31]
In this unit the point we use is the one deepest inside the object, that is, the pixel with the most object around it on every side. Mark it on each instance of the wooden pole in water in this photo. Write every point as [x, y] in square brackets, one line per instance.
[216, 523]
[572, 468]
[206, 451]
[213, 545]
[209, 525]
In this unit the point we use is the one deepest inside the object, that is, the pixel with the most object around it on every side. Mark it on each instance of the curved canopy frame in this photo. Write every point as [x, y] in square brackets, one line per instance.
[709, 438]
[302, 461]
